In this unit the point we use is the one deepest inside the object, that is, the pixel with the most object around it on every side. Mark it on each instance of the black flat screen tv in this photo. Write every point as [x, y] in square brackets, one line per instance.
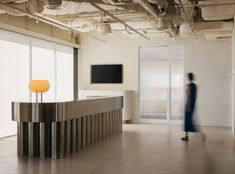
[106, 73]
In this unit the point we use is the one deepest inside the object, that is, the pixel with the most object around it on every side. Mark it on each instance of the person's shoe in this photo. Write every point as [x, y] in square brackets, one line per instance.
[185, 138]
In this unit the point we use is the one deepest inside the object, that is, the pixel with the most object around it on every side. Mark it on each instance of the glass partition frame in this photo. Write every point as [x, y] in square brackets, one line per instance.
[173, 114]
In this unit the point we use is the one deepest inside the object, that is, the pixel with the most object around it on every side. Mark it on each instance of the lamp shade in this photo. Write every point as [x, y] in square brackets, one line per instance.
[39, 86]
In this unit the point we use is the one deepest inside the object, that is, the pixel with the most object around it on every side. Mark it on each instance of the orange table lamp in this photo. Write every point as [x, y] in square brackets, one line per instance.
[39, 86]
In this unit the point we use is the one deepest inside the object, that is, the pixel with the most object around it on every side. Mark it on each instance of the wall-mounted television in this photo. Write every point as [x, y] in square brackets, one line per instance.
[109, 73]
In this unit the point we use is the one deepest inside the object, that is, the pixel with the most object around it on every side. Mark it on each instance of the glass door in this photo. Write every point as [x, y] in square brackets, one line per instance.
[161, 83]
[154, 83]
[177, 83]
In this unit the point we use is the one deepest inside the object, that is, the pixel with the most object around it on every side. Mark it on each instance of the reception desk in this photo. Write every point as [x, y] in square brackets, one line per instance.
[55, 130]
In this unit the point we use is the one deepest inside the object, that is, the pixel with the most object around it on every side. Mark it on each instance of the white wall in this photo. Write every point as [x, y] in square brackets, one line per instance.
[211, 61]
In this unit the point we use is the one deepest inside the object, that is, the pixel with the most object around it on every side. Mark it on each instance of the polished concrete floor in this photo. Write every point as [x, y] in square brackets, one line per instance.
[140, 149]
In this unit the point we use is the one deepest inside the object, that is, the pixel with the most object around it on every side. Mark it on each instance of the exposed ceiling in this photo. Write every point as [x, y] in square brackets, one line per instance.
[142, 17]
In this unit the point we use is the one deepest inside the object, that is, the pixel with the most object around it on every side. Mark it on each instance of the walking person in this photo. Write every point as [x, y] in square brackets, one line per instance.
[191, 93]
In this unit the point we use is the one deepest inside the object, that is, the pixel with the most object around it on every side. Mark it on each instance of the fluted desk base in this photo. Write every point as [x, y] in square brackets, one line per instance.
[59, 139]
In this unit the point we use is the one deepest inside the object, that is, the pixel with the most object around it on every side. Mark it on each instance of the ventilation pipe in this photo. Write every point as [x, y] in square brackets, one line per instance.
[32, 6]
[119, 2]
[219, 10]
[125, 1]
[13, 1]
[185, 30]
[35, 6]
[162, 24]
[189, 10]
[188, 15]
[54, 4]
[117, 19]
[87, 25]
[12, 11]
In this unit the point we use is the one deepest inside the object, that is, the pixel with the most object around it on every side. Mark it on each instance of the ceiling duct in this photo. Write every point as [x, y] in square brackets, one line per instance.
[32, 6]
[187, 16]
[117, 19]
[119, 2]
[185, 30]
[54, 4]
[84, 25]
[10, 11]
[162, 24]
[87, 25]
[211, 30]
[125, 1]
[218, 35]
[50, 21]
[172, 31]
[13, 1]
[189, 10]
[211, 12]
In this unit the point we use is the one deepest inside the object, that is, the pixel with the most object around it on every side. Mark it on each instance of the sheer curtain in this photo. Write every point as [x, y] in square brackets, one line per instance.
[64, 73]
[43, 66]
[23, 58]
[14, 77]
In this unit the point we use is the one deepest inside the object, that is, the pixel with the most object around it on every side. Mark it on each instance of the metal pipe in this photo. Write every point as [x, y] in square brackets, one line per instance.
[41, 97]
[142, 29]
[206, 5]
[52, 22]
[188, 20]
[13, 1]
[117, 19]
[36, 97]
[110, 2]
[98, 15]
[145, 4]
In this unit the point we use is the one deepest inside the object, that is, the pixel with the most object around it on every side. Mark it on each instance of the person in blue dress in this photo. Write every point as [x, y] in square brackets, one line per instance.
[191, 93]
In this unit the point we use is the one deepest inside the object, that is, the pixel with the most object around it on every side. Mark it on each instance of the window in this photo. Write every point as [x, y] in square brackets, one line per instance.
[14, 77]
[43, 66]
[23, 58]
[64, 73]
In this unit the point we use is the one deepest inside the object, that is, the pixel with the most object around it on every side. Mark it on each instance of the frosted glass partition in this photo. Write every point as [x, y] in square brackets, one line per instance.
[43, 66]
[64, 71]
[161, 83]
[177, 83]
[14, 77]
[23, 58]
[154, 83]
